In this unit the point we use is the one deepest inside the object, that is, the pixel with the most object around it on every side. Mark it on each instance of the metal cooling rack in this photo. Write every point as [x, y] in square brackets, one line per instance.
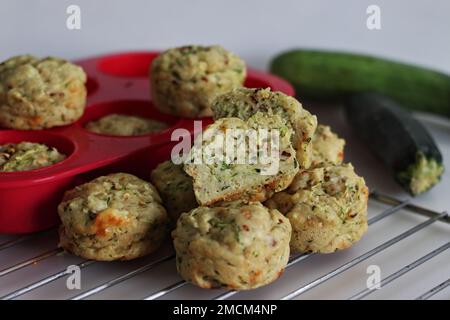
[24, 273]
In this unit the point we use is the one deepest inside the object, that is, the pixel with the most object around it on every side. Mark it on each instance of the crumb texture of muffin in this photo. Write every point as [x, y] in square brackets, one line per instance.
[26, 156]
[113, 217]
[327, 147]
[185, 80]
[218, 179]
[40, 93]
[234, 245]
[244, 103]
[327, 208]
[125, 125]
[175, 188]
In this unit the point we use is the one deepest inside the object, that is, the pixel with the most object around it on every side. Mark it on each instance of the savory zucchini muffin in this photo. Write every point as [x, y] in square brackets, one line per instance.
[124, 125]
[114, 217]
[175, 188]
[25, 156]
[185, 80]
[327, 208]
[227, 167]
[244, 103]
[40, 93]
[327, 147]
[234, 245]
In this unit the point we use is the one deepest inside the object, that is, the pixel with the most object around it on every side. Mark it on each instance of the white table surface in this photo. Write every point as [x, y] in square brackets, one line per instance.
[413, 31]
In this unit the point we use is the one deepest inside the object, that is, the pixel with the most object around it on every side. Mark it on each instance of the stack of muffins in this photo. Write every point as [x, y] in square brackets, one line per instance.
[232, 226]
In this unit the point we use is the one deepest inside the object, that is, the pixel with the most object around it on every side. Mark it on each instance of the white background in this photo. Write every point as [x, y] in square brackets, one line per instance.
[412, 31]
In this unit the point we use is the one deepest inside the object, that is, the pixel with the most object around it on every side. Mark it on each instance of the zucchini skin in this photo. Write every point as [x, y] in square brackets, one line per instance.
[335, 75]
[399, 140]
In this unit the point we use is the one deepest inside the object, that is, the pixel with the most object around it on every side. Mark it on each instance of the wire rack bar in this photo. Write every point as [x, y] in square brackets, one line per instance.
[434, 290]
[122, 278]
[395, 206]
[292, 261]
[19, 239]
[26, 263]
[364, 293]
[409, 206]
[375, 219]
[44, 281]
[13, 242]
[166, 290]
[361, 258]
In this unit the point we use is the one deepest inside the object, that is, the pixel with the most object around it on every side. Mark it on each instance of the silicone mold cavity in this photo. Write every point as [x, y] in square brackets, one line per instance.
[133, 64]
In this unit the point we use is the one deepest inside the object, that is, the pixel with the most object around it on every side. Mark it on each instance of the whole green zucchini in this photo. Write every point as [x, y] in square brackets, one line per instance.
[334, 75]
[398, 139]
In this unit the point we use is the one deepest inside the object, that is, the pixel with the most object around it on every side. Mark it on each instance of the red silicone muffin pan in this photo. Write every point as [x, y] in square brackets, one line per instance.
[117, 83]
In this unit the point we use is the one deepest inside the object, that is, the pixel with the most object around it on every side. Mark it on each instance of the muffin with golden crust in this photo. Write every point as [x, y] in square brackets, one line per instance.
[327, 208]
[245, 103]
[185, 80]
[40, 93]
[113, 217]
[327, 147]
[234, 245]
[226, 164]
[175, 188]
